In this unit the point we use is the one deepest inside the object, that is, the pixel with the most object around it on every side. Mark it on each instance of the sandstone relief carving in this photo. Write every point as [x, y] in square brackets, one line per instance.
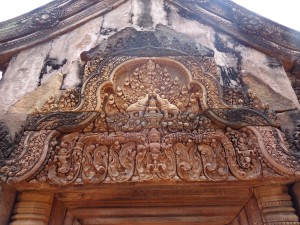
[296, 142]
[150, 118]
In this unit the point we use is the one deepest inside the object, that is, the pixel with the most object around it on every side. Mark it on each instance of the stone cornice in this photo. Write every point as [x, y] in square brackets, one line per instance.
[49, 21]
[60, 16]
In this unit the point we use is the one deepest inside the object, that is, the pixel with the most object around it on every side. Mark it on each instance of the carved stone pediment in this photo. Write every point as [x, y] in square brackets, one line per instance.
[140, 118]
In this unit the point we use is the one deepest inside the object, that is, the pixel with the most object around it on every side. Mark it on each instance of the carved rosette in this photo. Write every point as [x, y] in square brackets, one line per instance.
[46, 19]
[146, 119]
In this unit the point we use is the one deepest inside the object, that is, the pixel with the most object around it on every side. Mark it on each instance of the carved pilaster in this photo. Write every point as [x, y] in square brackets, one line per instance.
[249, 215]
[32, 208]
[296, 196]
[276, 206]
[7, 199]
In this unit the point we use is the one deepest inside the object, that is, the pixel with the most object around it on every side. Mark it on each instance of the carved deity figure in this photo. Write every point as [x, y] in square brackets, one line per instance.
[155, 151]
[153, 114]
[150, 66]
[110, 106]
[194, 104]
[152, 108]
[63, 158]
[141, 159]
[154, 142]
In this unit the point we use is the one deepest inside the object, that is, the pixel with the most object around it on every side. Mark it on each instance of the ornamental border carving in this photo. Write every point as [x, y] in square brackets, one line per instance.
[155, 118]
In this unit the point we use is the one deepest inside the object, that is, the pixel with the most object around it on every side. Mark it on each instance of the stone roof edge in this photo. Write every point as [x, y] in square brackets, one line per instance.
[252, 29]
[60, 16]
[47, 22]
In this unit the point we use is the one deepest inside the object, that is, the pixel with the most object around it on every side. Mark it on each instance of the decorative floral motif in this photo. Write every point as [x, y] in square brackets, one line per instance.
[45, 19]
[151, 119]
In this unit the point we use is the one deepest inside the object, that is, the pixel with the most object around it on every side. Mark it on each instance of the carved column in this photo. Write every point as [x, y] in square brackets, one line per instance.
[296, 196]
[249, 215]
[32, 208]
[7, 200]
[276, 205]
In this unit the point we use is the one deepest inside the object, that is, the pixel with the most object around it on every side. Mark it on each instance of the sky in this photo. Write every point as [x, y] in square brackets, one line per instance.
[286, 12]
[13, 8]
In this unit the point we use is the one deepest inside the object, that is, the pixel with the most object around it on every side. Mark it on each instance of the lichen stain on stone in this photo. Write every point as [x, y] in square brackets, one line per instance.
[107, 31]
[50, 64]
[5, 142]
[231, 70]
[230, 77]
[145, 19]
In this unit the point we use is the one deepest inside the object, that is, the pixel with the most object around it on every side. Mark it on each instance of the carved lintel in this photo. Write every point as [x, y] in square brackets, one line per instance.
[153, 155]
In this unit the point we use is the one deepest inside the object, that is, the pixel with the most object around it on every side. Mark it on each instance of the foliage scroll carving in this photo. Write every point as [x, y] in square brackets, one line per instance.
[145, 119]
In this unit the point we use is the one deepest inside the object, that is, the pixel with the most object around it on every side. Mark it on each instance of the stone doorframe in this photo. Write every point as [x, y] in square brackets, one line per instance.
[267, 205]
